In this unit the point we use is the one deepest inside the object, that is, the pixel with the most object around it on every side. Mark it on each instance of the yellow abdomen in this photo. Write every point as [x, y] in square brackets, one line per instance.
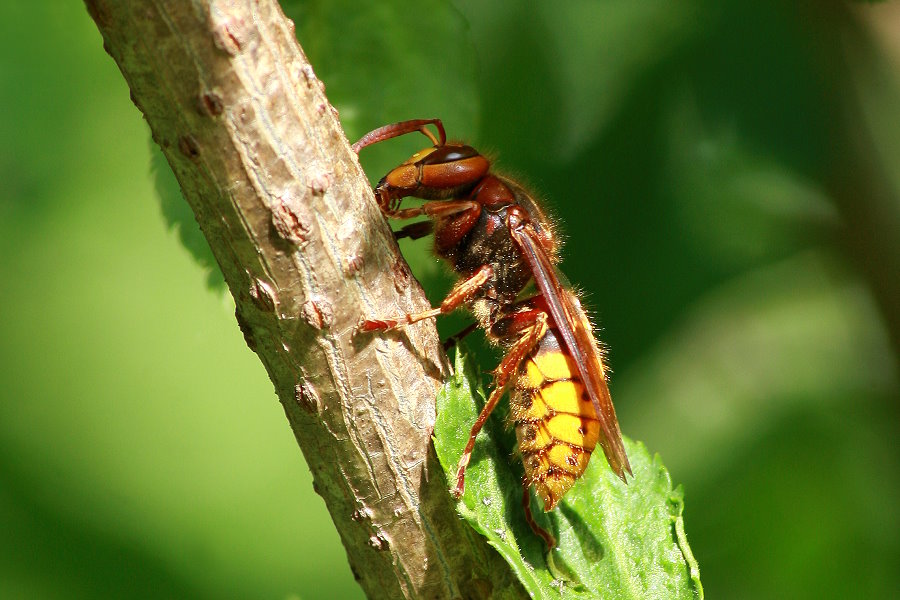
[556, 425]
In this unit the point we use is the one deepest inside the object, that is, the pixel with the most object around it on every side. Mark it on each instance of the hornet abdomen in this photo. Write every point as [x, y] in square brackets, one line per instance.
[556, 424]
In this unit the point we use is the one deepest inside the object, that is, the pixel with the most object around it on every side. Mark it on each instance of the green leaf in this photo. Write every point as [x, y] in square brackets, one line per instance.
[614, 540]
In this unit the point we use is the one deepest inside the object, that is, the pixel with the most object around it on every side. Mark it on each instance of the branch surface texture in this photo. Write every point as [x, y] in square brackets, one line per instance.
[262, 160]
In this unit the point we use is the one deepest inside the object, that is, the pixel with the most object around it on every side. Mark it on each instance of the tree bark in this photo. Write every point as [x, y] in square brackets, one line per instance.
[262, 160]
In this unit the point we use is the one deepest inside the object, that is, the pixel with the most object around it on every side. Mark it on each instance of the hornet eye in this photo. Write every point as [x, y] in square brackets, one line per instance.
[449, 153]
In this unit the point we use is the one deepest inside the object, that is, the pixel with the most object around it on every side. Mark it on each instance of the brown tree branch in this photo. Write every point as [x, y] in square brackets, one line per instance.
[266, 168]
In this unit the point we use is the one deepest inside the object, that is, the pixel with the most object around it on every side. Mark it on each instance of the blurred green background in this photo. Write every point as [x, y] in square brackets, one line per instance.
[728, 227]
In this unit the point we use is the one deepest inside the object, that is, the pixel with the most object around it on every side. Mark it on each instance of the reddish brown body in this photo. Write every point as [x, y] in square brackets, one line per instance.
[498, 240]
